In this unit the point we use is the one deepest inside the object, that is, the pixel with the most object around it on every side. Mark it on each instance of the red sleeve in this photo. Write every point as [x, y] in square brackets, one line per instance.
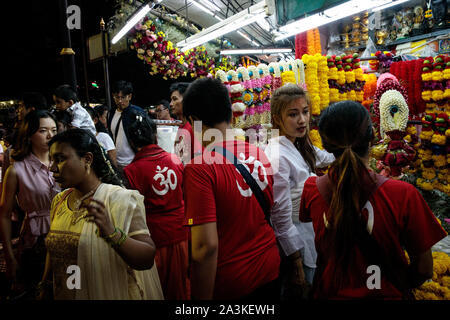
[199, 199]
[421, 229]
[129, 177]
[304, 214]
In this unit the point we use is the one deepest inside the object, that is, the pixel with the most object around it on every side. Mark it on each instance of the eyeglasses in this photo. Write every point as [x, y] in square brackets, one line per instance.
[160, 110]
[116, 97]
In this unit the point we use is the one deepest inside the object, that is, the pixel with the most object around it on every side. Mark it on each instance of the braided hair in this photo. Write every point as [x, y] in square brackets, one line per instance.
[83, 142]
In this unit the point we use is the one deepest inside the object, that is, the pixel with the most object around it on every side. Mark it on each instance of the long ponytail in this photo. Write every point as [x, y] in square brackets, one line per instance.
[346, 131]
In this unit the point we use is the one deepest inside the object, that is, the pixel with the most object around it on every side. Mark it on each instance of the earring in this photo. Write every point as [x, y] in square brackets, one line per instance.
[88, 169]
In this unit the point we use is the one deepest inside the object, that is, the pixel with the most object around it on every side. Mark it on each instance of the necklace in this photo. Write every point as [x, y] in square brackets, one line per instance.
[80, 213]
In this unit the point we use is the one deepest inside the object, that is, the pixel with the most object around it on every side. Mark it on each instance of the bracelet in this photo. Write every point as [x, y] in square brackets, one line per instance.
[112, 235]
[121, 240]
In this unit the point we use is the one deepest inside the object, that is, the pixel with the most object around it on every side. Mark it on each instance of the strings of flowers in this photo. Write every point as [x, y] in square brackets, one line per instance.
[435, 135]
[159, 53]
[312, 81]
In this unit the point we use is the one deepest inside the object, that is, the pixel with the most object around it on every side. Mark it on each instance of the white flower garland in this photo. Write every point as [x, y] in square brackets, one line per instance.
[264, 68]
[301, 70]
[244, 72]
[221, 75]
[276, 69]
[400, 118]
[233, 74]
[254, 71]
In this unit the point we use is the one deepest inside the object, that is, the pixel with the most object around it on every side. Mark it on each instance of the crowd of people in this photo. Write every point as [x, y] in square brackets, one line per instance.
[220, 218]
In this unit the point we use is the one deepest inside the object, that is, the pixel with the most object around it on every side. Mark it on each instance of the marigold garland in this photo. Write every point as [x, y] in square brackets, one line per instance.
[439, 287]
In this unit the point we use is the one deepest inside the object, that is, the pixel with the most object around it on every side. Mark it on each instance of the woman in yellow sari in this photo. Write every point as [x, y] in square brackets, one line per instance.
[99, 246]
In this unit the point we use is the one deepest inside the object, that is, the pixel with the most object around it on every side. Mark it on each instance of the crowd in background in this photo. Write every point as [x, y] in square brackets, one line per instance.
[91, 187]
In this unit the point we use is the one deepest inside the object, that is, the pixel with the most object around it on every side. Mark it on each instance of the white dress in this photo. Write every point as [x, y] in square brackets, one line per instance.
[290, 173]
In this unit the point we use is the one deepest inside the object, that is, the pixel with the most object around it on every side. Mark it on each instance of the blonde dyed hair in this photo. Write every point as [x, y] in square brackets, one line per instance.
[281, 99]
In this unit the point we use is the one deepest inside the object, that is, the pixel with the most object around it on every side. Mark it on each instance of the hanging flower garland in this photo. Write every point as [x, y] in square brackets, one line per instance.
[312, 81]
[317, 44]
[324, 89]
[300, 45]
[159, 53]
[333, 79]
[266, 93]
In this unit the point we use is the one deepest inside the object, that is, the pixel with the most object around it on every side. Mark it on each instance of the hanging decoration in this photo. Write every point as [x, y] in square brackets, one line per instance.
[159, 53]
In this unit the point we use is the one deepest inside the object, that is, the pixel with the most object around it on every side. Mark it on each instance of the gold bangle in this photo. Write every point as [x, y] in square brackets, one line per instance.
[112, 235]
[121, 240]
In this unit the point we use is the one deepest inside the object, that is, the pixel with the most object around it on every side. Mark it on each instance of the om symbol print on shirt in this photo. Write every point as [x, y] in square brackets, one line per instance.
[168, 181]
[256, 165]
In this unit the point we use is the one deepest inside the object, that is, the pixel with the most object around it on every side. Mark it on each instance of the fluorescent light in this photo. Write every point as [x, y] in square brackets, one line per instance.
[131, 23]
[235, 22]
[255, 51]
[247, 38]
[203, 8]
[264, 24]
[343, 10]
[220, 32]
[388, 5]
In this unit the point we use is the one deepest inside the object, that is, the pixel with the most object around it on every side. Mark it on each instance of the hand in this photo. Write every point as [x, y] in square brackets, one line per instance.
[297, 275]
[97, 211]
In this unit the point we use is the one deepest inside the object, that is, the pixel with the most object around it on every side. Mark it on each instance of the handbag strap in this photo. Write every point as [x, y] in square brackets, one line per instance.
[248, 179]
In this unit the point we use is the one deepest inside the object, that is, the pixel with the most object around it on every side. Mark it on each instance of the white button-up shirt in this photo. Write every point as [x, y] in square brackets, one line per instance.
[290, 173]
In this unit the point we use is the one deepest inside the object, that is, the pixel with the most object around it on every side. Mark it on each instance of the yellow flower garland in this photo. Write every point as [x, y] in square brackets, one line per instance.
[315, 138]
[439, 287]
[324, 88]
[312, 81]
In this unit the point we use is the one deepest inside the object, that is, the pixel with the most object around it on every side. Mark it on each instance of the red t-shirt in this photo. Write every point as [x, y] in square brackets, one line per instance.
[215, 191]
[401, 219]
[186, 147]
[158, 176]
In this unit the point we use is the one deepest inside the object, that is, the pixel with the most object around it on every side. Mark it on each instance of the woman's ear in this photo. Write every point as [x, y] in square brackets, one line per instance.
[89, 158]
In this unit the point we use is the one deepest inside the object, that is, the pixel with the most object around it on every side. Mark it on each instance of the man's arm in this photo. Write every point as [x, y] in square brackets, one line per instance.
[204, 260]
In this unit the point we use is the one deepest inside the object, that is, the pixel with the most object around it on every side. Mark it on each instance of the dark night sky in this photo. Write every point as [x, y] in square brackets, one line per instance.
[31, 42]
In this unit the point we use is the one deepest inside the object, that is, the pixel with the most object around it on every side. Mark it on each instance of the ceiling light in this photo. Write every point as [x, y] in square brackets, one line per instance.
[255, 51]
[248, 39]
[388, 5]
[235, 22]
[131, 23]
[338, 12]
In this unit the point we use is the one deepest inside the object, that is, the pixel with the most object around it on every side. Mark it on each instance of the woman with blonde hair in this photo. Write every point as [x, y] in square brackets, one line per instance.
[294, 159]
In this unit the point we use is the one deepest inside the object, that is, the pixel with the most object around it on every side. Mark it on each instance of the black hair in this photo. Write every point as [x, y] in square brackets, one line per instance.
[208, 100]
[66, 92]
[99, 127]
[100, 109]
[141, 131]
[63, 116]
[34, 100]
[346, 131]
[164, 102]
[29, 126]
[181, 87]
[83, 142]
[122, 86]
